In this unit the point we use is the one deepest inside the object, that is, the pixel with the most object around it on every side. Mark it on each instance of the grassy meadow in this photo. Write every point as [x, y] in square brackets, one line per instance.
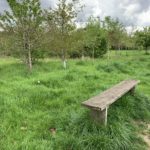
[42, 110]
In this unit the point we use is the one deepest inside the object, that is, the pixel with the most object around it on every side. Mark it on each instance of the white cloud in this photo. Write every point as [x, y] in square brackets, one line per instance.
[130, 12]
[48, 3]
[3, 6]
[144, 18]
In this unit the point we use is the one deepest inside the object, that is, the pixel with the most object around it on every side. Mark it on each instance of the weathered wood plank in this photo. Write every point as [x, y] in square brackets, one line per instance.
[109, 96]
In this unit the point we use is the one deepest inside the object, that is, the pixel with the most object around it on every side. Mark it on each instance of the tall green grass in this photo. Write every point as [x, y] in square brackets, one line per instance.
[32, 104]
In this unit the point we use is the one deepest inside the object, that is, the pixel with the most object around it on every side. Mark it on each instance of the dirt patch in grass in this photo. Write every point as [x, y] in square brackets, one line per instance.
[146, 135]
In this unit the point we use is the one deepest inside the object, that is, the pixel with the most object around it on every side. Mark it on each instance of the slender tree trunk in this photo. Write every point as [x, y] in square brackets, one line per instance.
[27, 48]
[116, 47]
[119, 50]
[64, 59]
[146, 50]
[82, 57]
[29, 59]
[127, 51]
[108, 55]
[93, 54]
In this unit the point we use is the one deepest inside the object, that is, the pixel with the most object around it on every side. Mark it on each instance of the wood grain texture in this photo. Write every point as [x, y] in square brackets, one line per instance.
[109, 96]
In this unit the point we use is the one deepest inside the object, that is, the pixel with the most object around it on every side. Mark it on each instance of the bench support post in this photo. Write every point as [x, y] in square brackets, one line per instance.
[132, 91]
[100, 116]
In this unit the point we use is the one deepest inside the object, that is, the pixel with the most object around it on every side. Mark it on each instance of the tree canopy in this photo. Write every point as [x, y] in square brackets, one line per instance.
[30, 32]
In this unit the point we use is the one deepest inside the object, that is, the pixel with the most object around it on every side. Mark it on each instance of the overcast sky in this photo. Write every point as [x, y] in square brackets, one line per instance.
[130, 12]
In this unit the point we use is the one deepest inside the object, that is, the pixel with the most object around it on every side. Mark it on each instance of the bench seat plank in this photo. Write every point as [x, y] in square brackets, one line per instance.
[109, 96]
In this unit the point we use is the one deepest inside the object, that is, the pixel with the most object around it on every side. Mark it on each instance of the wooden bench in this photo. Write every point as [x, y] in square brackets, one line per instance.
[99, 104]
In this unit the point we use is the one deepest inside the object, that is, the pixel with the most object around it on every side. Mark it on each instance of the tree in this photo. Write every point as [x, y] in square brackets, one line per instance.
[115, 32]
[6, 44]
[95, 39]
[25, 21]
[143, 38]
[128, 41]
[90, 41]
[63, 17]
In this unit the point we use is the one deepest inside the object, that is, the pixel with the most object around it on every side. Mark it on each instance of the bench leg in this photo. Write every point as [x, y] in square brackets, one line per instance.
[132, 91]
[100, 116]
